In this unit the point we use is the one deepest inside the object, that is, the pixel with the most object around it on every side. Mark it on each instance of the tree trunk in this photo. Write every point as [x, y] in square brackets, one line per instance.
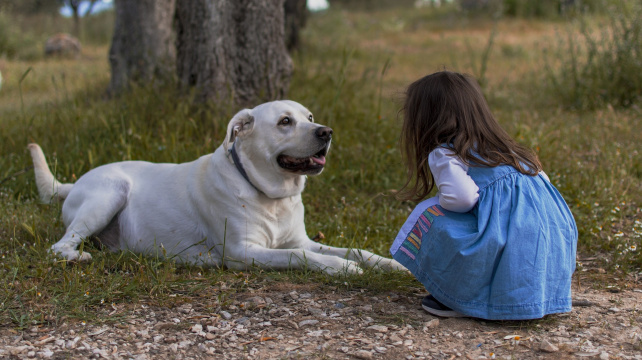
[142, 46]
[233, 49]
[296, 15]
[76, 17]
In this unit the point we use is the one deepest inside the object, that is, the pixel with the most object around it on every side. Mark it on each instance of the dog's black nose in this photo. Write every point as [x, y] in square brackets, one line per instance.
[324, 133]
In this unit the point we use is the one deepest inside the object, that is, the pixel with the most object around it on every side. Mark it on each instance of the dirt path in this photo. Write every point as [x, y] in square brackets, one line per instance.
[313, 321]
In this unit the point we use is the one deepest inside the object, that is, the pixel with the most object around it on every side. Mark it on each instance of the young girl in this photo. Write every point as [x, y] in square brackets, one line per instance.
[497, 241]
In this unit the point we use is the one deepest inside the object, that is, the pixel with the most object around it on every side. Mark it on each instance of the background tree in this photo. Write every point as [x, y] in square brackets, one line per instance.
[142, 45]
[233, 49]
[296, 15]
[74, 5]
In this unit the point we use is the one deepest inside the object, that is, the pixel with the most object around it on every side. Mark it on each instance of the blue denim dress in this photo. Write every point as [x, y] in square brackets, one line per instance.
[510, 258]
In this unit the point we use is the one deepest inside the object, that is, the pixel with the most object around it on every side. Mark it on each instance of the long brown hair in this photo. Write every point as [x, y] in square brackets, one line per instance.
[449, 108]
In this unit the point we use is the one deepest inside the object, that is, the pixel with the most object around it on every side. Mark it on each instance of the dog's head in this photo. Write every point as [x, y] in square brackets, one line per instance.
[278, 143]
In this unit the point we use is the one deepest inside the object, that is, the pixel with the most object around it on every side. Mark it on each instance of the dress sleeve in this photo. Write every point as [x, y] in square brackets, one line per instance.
[456, 189]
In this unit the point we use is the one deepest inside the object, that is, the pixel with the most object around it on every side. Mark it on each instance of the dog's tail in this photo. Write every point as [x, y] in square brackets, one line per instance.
[48, 187]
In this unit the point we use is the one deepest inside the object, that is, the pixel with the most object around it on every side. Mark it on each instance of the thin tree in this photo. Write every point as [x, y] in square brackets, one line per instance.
[296, 16]
[233, 49]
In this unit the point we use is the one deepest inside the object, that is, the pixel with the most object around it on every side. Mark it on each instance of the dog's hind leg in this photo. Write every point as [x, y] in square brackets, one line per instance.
[88, 212]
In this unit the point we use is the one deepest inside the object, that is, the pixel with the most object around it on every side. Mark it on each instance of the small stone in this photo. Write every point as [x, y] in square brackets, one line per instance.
[363, 354]
[294, 295]
[546, 346]
[197, 328]
[614, 310]
[431, 324]
[316, 311]
[604, 355]
[184, 344]
[378, 328]
[339, 305]
[226, 315]
[395, 338]
[243, 321]
[46, 353]
[316, 333]
[257, 300]
[210, 336]
[308, 322]
[71, 344]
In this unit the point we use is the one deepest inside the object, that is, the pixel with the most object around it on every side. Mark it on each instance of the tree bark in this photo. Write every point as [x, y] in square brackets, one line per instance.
[142, 46]
[296, 15]
[74, 4]
[233, 49]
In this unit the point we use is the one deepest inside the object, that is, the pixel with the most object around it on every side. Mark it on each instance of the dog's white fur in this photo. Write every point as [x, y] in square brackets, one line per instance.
[205, 212]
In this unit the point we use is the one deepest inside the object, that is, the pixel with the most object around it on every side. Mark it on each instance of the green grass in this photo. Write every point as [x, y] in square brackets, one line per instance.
[351, 73]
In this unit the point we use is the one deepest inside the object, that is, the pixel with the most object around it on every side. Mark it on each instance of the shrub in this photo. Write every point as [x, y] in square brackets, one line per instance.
[8, 46]
[17, 44]
[543, 9]
[540, 8]
[598, 69]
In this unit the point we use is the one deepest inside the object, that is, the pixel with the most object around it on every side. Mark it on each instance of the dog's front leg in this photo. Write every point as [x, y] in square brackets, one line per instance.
[248, 255]
[363, 257]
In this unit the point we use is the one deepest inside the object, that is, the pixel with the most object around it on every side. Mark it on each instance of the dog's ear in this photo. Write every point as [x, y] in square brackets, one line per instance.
[241, 124]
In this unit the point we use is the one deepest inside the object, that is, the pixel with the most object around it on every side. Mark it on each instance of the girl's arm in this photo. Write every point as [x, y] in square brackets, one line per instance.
[456, 190]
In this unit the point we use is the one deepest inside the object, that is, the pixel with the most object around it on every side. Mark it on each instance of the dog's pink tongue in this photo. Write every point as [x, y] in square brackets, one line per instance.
[319, 160]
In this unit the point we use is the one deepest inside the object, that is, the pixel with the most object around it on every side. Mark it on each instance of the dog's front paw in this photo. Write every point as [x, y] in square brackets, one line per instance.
[348, 267]
[391, 265]
[81, 257]
[71, 255]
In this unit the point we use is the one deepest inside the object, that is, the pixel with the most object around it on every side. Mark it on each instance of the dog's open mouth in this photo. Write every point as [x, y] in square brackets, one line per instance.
[305, 165]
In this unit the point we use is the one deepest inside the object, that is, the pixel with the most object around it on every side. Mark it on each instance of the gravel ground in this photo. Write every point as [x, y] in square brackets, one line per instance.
[318, 321]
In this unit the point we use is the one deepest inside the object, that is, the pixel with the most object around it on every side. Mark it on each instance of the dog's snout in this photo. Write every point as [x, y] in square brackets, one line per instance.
[324, 133]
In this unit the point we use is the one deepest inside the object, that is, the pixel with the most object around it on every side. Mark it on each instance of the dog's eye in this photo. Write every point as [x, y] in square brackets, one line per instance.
[285, 121]
[310, 118]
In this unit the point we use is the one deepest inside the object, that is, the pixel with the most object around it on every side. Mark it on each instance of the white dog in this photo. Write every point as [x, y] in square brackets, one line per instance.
[239, 207]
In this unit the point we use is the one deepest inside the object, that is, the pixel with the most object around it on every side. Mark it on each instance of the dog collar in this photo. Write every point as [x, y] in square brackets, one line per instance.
[239, 166]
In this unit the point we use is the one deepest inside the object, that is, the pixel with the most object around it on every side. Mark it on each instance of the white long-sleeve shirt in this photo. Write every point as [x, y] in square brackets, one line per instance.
[456, 190]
